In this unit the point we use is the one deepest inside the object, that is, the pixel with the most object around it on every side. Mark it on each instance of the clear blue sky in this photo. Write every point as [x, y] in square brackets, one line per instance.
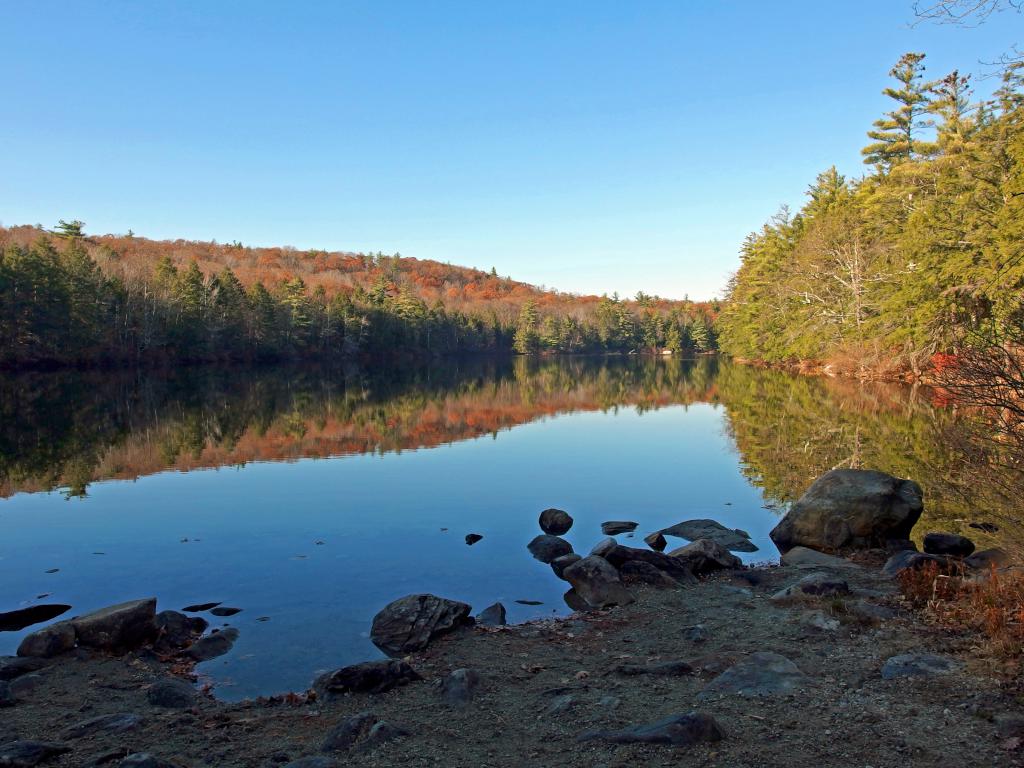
[589, 146]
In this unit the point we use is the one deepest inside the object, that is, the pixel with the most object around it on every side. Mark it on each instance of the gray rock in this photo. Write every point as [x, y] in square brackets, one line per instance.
[696, 634]
[16, 666]
[987, 559]
[349, 731]
[615, 527]
[677, 730]
[315, 761]
[176, 630]
[21, 687]
[802, 557]
[26, 754]
[120, 722]
[679, 570]
[813, 585]
[367, 677]
[639, 572]
[561, 705]
[171, 693]
[661, 669]
[948, 544]
[604, 546]
[459, 687]
[819, 620]
[575, 602]
[760, 674]
[730, 538]
[380, 733]
[656, 541]
[547, 547]
[555, 521]
[913, 560]
[704, 556]
[146, 760]
[919, 665]
[869, 612]
[213, 645]
[6, 697]
[597, 582]
[609, 702]
[117, 627]
[559, 564]
[850, 508]
[410, 623]
[492, 616]
[893, 546]
[49, 641]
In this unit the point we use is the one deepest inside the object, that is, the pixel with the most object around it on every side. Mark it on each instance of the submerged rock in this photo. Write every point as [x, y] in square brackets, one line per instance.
[597, 582]
[49, 641]
[410, 623]
[760, 674]
[555, 521]
[176, 630]
[13, 621]
[731, 538]
[615, 527]
[213, 645]
[656, 541]
[492, 616]
[547, 547]
[677, 730]
[473, 538]
[948, 544]
[199, 607]
[367, 677]
[850, 508]
[705, 556]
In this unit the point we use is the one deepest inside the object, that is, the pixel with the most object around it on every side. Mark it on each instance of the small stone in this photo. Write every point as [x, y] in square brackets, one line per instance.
[678, 730]
[656, 541]
[473, 538]
[171, 693]
[547, 547]
[213, 645]
[760, 674]
[114, 723]
[615, 527]
[176, 630]
[555, 522]
[662, 669]
[984, 526]
[559, 564]
[224, 611]
[367, 677]
[459, 687]
[813, 585]
[1010, 725]
[696, 634]
[560, 705]
[919, 665]
[492, 616]
[913, 560]
[948, 544]
[819, 620]
[350, 730]
[26, 754]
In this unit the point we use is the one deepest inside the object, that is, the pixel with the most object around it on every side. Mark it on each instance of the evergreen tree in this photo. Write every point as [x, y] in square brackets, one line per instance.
[895, 134]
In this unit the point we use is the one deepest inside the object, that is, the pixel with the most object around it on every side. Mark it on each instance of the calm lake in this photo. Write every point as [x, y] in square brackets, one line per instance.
[310, 498]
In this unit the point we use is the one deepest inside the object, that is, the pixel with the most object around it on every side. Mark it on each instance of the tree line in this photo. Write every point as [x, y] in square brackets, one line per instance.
[66, 298]
[911, 265]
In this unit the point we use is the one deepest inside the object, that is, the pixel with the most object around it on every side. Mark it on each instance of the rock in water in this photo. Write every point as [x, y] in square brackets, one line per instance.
[615, 527]
[705, 556]
[473, 538]
[678, 730]
[459, 687]
[117, 627]
[656, 541]
[850, 508]
[410, 623]
[492, 616]
[25, 754]
[176, 630]
[731, 538]
[555, 521]
[368, 677]
[12, 621]
[213, 645]
[48, 641]
[559, 564]
[919, 665]
[199, 607]
[547, 547]
[224, 610]
[948, 544]
[760, 674]
[597, 582]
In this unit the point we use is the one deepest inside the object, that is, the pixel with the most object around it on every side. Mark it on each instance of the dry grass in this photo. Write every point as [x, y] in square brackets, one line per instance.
[991, 606]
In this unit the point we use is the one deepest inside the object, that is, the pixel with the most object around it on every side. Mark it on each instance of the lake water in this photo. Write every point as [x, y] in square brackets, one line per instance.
[311, 498]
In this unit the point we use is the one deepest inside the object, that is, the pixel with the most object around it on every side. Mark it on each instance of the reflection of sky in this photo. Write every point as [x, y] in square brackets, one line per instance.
[251, 531]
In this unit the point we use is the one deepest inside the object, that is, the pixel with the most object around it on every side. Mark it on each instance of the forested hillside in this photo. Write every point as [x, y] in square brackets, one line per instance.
[68, 297]
[920, 258]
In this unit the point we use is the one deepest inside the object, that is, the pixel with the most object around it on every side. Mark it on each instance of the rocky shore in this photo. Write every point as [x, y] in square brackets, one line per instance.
[685, 657]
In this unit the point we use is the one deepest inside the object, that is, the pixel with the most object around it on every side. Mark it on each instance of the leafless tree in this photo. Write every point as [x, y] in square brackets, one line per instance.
[963, 12]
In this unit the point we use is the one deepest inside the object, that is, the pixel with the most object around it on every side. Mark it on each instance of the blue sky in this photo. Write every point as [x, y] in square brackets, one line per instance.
[589, 146]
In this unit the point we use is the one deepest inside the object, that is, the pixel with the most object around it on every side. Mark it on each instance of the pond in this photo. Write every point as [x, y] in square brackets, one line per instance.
[310, 498]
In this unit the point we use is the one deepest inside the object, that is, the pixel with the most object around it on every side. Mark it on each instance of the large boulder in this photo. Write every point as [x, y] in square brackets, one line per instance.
[596, 581]
[555, 521]
[704, 556]
[48, 641]
[948, 544]
[731, 538]
[619, 555]
[367, 677]
[850, 509]
[547, 547]
[411, 622]
[118, 627]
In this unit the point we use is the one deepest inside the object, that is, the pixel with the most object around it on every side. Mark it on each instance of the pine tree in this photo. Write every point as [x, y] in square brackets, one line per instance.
[895, 134]
[526, 338]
